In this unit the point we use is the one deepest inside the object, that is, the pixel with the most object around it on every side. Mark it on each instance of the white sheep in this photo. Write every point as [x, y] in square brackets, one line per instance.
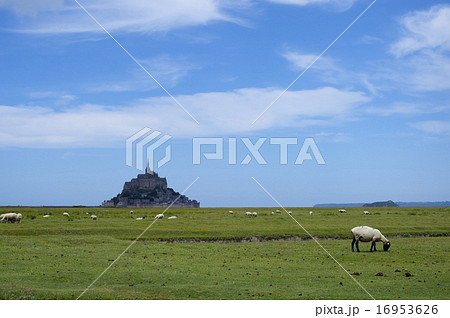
[248, 213]
[46, 216]
[310, 213]
[290, 212]
[368, 234]
[19, 217]
[272, 213]
[131, 212]
[66, 214]
[159, 216]
[230, 212]
[278, 211]
[173, 217]
[93, 217]
[366, 212]
[140, 219]
[10, 217]
[342, 211]
[255, 214]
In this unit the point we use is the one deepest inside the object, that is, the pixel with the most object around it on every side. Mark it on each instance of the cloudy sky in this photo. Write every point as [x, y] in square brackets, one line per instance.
[368, 80]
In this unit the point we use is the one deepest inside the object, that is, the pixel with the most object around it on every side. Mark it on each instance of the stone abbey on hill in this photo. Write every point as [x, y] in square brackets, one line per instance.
[149, 190]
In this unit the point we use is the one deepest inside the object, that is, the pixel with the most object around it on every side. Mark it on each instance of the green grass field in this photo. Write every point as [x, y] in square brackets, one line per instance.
[208, 254]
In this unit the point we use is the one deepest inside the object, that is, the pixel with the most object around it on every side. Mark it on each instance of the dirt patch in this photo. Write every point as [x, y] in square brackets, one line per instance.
[259, 239]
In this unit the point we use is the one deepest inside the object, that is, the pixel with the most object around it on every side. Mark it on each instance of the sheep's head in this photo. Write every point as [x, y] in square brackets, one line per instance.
[386, 246]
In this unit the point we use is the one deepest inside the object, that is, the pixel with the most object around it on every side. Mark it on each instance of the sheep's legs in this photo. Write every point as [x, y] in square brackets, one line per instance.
[357, 245]
[374, 247]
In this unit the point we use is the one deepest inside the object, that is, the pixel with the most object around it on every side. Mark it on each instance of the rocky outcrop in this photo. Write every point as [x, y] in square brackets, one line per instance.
[149, 190]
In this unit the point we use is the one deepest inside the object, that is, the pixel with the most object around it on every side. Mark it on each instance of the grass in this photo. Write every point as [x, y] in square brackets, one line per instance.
[58, 257]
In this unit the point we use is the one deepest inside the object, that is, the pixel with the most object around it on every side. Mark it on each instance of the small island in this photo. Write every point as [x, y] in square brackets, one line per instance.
[149, 190]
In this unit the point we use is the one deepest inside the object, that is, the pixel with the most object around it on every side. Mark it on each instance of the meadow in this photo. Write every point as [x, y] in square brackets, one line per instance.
[207, 253]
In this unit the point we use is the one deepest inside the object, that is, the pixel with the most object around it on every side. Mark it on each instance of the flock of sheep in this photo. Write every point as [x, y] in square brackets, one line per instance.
[359, 233]
[158, 216]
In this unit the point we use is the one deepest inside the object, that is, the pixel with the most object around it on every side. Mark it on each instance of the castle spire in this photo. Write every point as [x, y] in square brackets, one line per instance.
[147, 170]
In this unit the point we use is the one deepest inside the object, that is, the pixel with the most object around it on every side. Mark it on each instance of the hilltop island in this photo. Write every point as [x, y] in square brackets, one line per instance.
[148, 190]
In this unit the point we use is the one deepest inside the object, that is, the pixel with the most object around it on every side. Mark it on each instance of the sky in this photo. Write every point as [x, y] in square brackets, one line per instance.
[368, 81]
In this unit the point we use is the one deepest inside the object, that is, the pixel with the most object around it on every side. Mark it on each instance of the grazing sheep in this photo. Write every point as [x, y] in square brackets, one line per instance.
[230, 212]
[310, 213]
[66, 214]
[93, 217]
[290, 212]
[140, 219]
[272, 213]
[131, 212]
[19, 217]
[368, 234]
[46, 216]
[159, 216]
[278, 211]
[366, 212]
[9, 218]
[255, 214]
[248, 213]
[173, 217]
[342, 211]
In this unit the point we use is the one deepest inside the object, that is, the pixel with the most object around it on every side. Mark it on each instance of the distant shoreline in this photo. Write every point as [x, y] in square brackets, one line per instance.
[400, 204]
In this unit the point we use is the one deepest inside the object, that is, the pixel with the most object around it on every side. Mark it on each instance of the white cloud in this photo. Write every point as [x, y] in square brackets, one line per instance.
[301, 61]
[405, 109]
[53, 17]
[433, 127]
[219, 113]
[328, 71]
[427, 71]
[31, 8]
[167, 70]
[57, 98]
[341, 4]
[428, 29]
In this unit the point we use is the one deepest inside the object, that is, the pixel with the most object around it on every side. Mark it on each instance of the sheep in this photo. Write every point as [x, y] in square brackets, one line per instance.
[140, 219]
[290, 212]
[248, 213]
[131, 212]
[93, 217]
[310, 213]
[9, 217]
[173, 217]
[255, 214]
[19, 217]
[46, 216]
[368, 234]
[342, 211]
[230, 212]
[159, 216]
[272, 213]
[366, 212]
[278, 211]
[66, 214]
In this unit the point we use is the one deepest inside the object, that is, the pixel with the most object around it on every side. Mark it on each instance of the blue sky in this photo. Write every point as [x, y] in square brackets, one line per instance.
[377, 102]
